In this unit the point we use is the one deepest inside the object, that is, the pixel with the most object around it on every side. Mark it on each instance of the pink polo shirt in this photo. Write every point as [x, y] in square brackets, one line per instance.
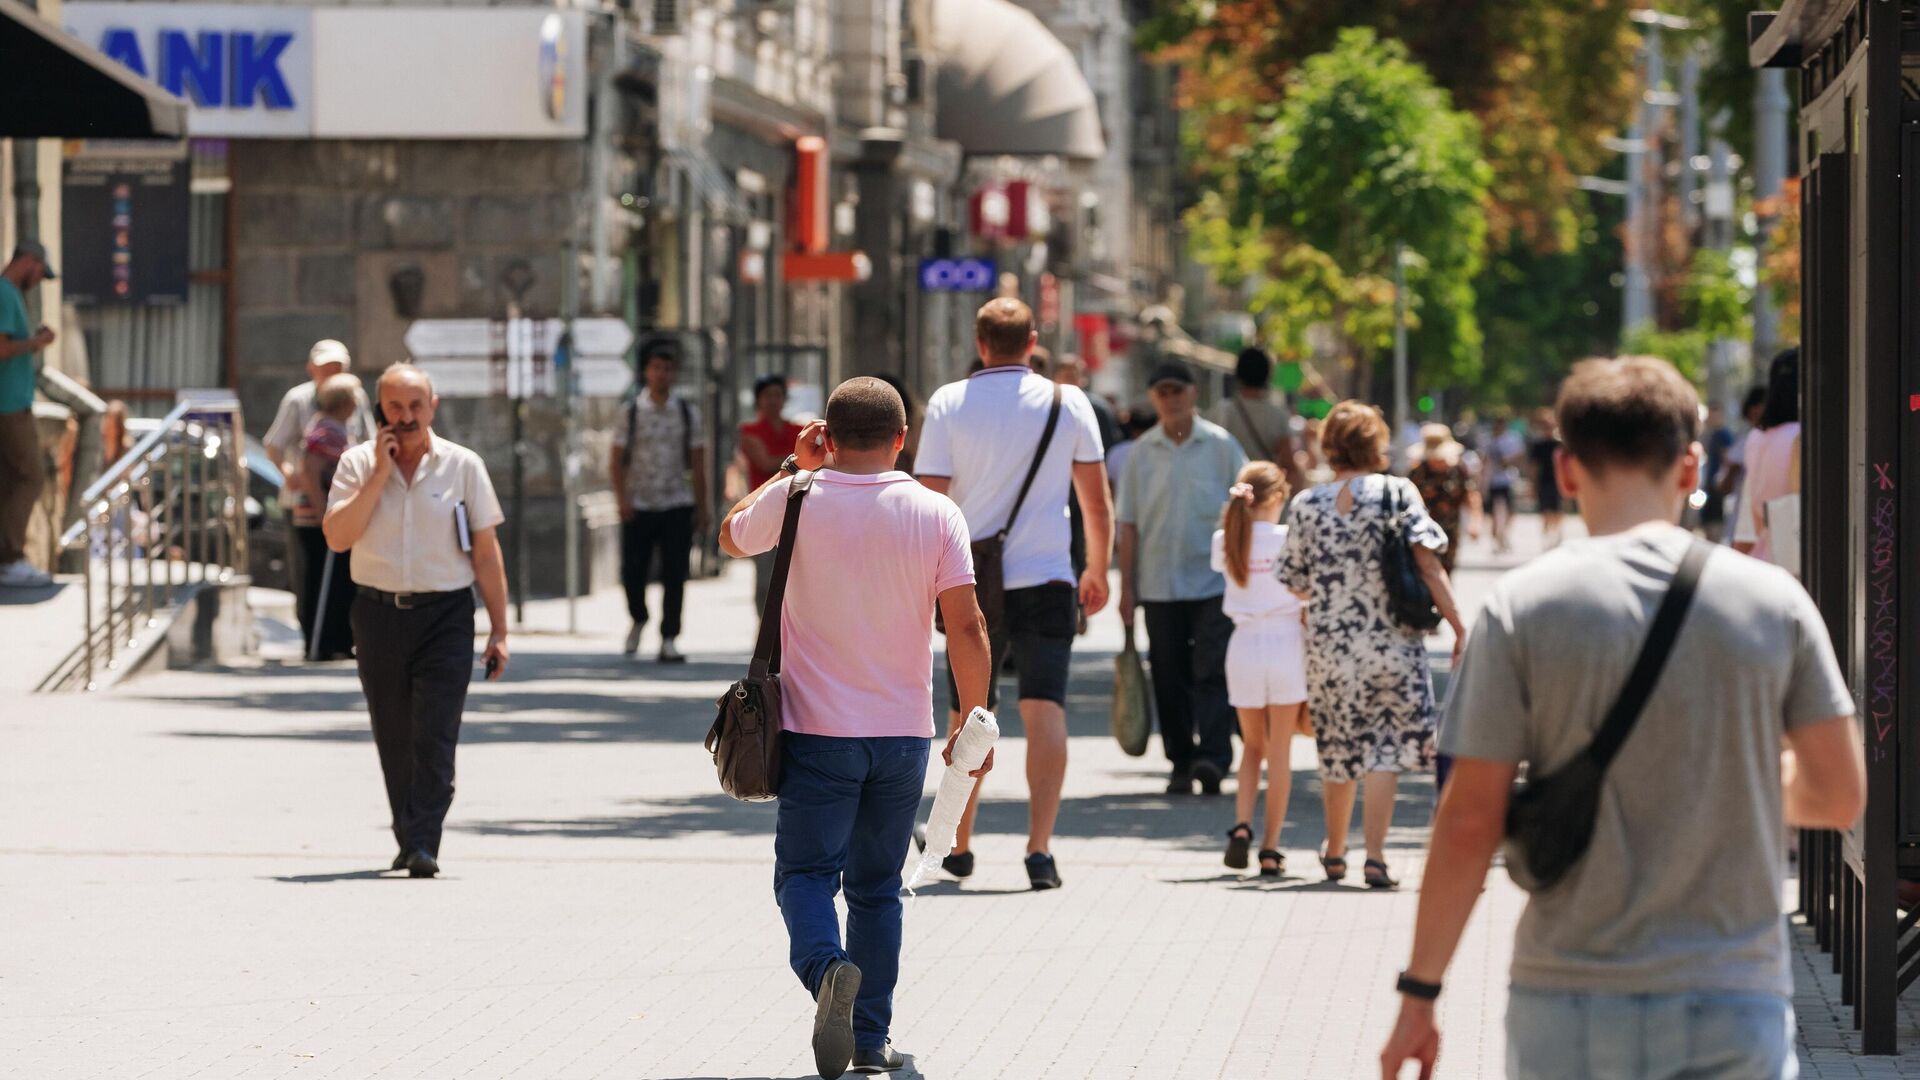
[872, 557]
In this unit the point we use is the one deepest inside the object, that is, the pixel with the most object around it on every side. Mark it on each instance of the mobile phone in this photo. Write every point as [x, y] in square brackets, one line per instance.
[493, 666]
[379, 416]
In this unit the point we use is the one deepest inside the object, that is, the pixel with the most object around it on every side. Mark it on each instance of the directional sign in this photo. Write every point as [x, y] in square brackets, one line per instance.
[520, 358]
[442, 338]
[957, 275]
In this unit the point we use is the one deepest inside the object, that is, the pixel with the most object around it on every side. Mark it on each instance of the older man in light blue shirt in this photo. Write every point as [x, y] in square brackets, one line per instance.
[1175, 483]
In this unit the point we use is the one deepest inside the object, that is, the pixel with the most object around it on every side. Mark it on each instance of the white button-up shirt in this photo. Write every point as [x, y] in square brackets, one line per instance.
[412, 543]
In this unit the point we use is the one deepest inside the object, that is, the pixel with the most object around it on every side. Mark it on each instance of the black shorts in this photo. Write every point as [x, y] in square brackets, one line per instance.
[1500, 496]
[1041, 622]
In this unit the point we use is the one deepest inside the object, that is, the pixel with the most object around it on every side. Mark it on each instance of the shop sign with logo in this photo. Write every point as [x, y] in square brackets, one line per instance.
[957, 275]
[269, 71]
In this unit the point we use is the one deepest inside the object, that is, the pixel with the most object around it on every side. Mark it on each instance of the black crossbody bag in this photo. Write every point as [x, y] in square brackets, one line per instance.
[989, 576]
[1550, 821]
[745, 737]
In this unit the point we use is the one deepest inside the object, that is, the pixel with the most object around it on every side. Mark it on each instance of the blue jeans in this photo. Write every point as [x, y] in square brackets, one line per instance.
[1571, 1035]
[847, 808]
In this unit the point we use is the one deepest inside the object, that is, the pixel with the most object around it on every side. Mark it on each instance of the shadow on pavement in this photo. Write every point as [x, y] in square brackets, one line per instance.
[345, 875]
[20, 597]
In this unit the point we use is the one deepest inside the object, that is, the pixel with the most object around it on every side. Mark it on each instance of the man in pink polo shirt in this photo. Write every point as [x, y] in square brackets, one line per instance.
[874, 553]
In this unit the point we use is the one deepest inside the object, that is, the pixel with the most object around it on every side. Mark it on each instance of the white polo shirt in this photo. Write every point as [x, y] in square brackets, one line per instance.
[982, 433]
[412, 543]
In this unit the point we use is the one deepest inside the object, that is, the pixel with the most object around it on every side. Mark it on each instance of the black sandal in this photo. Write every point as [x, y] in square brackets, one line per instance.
[1336, 867]
[1239, 839]
[1377, 876]
[1279, 861]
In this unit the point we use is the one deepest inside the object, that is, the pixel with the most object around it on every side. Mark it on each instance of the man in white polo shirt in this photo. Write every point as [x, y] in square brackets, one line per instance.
[1008, 444]
[420, 516]
[873, 554]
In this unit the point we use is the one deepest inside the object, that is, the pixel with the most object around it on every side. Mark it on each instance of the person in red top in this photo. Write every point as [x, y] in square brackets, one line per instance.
[765, 441]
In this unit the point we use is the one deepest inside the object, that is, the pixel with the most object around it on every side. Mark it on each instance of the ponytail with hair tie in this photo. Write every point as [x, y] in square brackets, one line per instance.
[1259, 483]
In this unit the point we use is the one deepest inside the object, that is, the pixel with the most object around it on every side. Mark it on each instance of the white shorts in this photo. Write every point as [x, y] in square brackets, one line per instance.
[1267, 664]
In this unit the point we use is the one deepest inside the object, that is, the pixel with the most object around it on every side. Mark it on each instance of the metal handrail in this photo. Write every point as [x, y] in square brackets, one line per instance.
[166, 519]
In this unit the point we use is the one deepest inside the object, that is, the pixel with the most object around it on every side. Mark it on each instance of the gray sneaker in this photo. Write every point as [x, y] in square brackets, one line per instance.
[633, 640]
[884, 1060]
[833, 1019]
[670, 653]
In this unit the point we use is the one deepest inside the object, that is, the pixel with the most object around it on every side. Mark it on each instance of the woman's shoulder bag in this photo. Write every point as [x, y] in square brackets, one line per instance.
[1409, 600]
[745, 737]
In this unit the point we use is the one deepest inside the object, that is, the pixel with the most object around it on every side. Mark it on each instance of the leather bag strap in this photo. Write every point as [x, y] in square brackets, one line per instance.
[1653, 656]
[1266, 444]
[1033, 470]
[766, 651]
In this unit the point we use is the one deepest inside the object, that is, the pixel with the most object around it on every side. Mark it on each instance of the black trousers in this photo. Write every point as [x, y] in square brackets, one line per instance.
[332, 613]
[415, 665]
[1187, 647]
[668, 533]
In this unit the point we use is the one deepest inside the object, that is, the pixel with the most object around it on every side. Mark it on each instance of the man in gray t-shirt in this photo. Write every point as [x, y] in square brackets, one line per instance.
[1666, 940]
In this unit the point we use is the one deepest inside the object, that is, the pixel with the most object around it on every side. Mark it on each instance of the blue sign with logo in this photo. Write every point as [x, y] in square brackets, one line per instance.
[957, 275]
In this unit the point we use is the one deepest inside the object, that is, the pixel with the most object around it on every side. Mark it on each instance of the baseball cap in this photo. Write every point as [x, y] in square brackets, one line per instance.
[1170, 371]
[37, 250]
[329, 351]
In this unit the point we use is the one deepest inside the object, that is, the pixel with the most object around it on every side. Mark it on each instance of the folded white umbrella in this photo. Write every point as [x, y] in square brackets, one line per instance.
[976, 740]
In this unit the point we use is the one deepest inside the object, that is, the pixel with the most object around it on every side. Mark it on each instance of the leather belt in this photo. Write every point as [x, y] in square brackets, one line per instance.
[409, 601]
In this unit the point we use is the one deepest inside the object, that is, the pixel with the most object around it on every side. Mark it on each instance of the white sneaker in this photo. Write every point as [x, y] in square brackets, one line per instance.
[23, 575]
[669, 654]
[633, 640]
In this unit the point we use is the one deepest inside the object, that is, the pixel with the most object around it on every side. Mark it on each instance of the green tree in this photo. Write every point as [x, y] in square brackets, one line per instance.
[1365, 153]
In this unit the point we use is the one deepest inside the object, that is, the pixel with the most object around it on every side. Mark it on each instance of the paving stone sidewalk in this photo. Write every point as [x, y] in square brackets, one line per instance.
[192, 869]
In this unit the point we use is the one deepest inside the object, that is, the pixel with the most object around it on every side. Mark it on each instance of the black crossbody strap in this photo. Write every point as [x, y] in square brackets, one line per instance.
[766, 651]
[1653, 656]
[1039, 455]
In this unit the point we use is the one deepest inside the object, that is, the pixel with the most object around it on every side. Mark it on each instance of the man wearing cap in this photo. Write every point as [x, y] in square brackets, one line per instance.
[1171, 493]
[420, 516]
[285, 441]
[20, 474]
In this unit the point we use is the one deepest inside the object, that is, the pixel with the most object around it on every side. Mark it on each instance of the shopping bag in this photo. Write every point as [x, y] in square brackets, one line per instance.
[1132, 700]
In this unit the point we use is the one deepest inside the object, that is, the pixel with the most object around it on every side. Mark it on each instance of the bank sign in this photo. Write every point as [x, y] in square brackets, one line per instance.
[258, 71]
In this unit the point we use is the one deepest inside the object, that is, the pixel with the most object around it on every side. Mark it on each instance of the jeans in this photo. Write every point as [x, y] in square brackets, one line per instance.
[1187, 646]
[1573, 1035]
[671, 533]
[847, 808]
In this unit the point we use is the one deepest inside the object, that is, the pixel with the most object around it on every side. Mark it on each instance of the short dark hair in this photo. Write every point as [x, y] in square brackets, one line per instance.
[1254, 368]
[659, 350]
[1783, 390]
[766, 382]
[1005, 327]
[1635, 412]
[865, 414]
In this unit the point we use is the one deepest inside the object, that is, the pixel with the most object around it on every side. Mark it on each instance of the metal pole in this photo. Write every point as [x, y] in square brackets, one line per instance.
[106, 562]
[126, 539]
[1719, 236]
[86, 571]
[1689, 135]
[1769, 173]
[1400, 403]
[1636, 300]
[146, 535]
[570, 463]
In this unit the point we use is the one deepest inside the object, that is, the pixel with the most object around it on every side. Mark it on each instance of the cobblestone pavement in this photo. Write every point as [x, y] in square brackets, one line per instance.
[192, 870]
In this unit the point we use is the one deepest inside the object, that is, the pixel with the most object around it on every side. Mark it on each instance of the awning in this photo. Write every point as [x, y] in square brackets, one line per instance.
[1006, 85]
[56, 88]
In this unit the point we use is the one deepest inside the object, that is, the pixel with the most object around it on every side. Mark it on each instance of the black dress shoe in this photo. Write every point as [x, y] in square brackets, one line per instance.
[884, 1060]
[399, 862]
[1180, 782]
[1208, 775]
[421, 864]
[833, 1019]
[959, 864]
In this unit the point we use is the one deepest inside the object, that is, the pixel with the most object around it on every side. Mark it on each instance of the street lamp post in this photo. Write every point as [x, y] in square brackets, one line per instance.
[1399, 339]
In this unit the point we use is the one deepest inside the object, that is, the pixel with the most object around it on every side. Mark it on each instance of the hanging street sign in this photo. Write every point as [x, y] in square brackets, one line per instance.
[519, 358]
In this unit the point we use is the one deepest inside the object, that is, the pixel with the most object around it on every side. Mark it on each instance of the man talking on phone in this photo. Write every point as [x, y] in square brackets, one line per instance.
[420, 516]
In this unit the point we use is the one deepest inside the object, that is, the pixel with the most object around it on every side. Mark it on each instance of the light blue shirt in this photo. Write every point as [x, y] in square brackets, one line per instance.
[1172, 493]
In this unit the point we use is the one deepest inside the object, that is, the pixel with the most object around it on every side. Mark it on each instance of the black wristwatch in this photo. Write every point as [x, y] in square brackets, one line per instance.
[1414, 988]
[791, 466]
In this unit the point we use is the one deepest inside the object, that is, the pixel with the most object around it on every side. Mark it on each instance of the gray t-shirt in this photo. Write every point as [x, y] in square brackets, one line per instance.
[1681, 890]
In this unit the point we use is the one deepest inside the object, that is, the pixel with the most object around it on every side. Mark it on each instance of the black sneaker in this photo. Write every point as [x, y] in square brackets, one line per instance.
[1208, 775]
[1041, 872]
[1179, 782]
[884, 1060]
[833, 1019]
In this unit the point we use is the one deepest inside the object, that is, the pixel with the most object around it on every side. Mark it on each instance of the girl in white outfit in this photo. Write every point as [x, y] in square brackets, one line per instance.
[1266, 660]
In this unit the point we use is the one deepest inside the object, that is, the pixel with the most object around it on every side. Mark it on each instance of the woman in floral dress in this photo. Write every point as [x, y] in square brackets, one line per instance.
[1367, 677]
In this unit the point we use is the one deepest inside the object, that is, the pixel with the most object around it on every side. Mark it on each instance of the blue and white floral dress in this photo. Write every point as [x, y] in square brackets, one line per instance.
[1368, 682]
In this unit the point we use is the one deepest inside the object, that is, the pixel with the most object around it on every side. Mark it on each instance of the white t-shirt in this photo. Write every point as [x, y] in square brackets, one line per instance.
[1262, 597]
[981, 433]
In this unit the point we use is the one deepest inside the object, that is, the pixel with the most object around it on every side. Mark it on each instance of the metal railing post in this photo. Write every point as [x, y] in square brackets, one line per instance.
[131, 598]
[146, 538]
[106, 592]
[86, 576]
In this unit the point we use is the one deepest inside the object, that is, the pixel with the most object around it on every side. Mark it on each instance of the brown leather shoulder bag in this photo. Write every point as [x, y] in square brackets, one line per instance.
[745, 737]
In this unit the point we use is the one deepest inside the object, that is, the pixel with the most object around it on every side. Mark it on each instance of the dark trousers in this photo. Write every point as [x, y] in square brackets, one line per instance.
[847, 807]
[321, 603]
[670, 534]
[21, 479]
[1187, 647]
[414, 666]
